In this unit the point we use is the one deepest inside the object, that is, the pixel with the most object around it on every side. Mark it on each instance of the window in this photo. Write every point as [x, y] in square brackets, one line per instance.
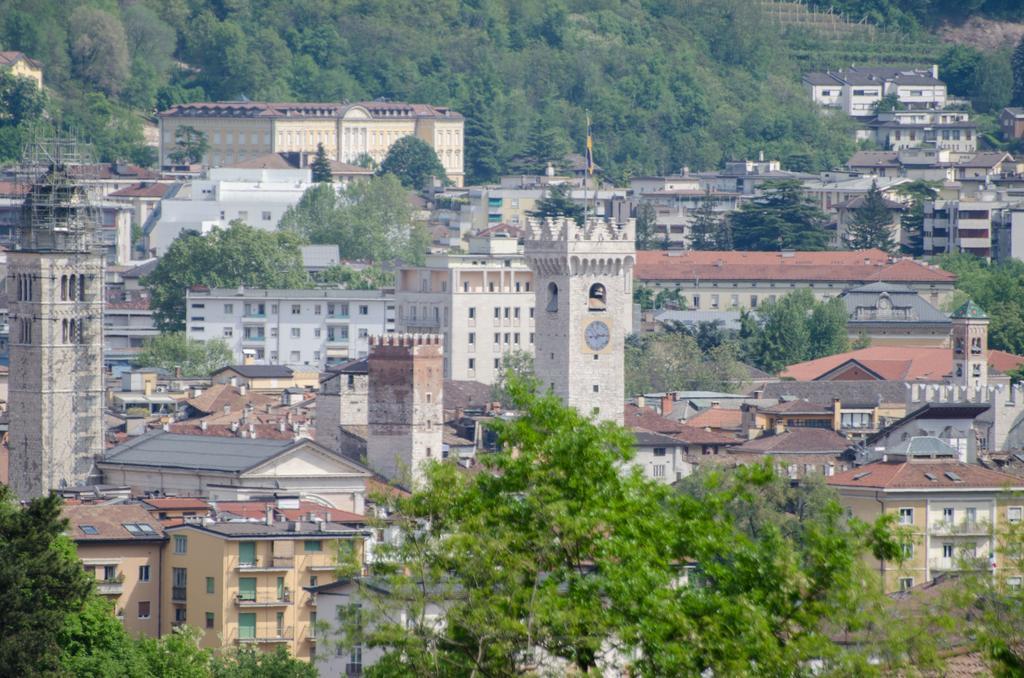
[180, 543]
[266, 215]
[659, 451]
[209, 585]
[312, 546]
[246, 625]
[472, 338]
[209, 620]
[316, 332]
[971, 515]
[947, 550]
[598, 298]
[247, 588]
[88, 529]
[229, 332]
[658, 471]
[497, 365]
[472, 363]
[229, 309]
[180, 615]
[908, 550]
[906, 516]
[143, 609]
[906, 583]
[552, 306]
[143, 572]
[296, 309]
[597, 388]
[243, 214]
[472, 312]
[317, 308]
[363, 333]
[1013, 514]
[948, 514]
[296, 332]
[364, 310]
[247, 552]
[753, 301]
[696, 301]
[109, 572]
[314, 580]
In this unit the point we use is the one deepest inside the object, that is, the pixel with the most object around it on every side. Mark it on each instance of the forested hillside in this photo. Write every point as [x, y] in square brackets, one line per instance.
[913, 14]
[667, 82]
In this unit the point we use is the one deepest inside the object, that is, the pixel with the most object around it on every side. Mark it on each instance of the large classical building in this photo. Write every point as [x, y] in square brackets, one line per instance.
[481, 302]
[241, 130]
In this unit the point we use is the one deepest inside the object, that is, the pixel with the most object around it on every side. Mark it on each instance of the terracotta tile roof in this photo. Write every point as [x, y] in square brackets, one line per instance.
[103, 171]
[143, 189]
[699, 436]
[841, 266]
[888, 362]
[818, 440]
[177, 503]
[216, 397]
[105, 522]
[1004, 362]
[647, 419]
[12, 189]
[923, 475]
[717, 418]
[257, 509]
[462, 394]
[506, 229]
[9, 58]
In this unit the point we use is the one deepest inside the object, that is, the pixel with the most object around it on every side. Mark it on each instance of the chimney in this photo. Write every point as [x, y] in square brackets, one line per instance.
[234, 427]
[147, 387]
[640, 401]
[269, 515]
[935, 71]
[227, 409]
[281, 426]
[666, 404]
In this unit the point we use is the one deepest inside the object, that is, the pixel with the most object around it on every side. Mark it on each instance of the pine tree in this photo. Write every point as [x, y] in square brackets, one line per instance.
[706, 225]
[545, 145]
[647, 228]
[483, 164]
[872, 223]
[556, 203]
[1018, 73]
[320, 166]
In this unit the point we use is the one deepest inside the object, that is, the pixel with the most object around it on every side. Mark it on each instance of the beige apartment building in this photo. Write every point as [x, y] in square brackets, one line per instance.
[241, 130]
[121, 544]
[22, 66]
[953, 511]
[243, 583]
[481, 302]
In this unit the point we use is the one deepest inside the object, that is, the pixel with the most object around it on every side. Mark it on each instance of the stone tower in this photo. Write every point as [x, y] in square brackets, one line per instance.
[583, 281]
[405, 410]
[970, 347]
[55, 287]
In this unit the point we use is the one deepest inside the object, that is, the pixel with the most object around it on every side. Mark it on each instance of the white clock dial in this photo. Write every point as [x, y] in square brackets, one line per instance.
[597, 335]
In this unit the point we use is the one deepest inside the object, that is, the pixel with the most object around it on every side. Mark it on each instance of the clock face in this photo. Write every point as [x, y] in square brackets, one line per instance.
[597, 335]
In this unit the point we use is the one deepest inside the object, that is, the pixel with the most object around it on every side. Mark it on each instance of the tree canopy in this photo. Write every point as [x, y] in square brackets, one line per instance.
[174, 350]
[369, 220]
[320, 166]
[238, 255]
[871, 223]
[792, 329]
[781, 218]
[999, 289]
[558, 202]
[414, 162]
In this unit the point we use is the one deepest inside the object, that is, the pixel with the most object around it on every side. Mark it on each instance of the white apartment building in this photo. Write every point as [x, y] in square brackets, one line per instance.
[856, 91]
[259, 197]
[961, 225]
[315, 327]
[950, 131]
[482, 302]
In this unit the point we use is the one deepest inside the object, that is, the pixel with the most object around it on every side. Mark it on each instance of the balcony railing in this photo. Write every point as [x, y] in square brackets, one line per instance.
[965, 528]
[243, 600]
[178, 594]
[282, 634]
[265, 564]
[110, 587]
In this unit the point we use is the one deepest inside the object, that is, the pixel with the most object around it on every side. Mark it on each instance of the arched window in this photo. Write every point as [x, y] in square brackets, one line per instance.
[81, 288]
[71, 287]
[598, 300]
[552, 298]
[64, 288]
[64, 330]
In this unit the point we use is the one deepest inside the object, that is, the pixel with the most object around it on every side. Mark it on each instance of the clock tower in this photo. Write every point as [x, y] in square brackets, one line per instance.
[583, 282]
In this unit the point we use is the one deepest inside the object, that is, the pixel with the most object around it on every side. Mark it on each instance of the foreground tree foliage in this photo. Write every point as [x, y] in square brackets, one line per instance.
[999, 289]
[368, 220]
[238, 255]
[554, 560]
[172, 351]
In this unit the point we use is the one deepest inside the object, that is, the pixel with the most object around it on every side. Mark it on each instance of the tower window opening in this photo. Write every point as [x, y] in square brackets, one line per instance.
[598, 298]
[81, 288]
[552, 298]
[64, 288]
[976, 345]
[72, 287]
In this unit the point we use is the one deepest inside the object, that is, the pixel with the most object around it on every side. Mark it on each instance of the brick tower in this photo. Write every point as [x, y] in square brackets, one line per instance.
[405, 412]
[970, 347]
[583, 281]
[55, 286]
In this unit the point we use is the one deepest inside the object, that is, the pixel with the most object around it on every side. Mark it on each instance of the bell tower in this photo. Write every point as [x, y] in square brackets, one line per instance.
[970, 347]
[583, 282]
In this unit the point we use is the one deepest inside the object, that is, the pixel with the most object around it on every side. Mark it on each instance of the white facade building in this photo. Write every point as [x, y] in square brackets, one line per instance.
[482, 302]
[856, 91]
[259, 197]
[315, 327]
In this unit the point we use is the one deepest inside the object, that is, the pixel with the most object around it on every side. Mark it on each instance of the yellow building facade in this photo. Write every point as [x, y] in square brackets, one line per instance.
[952, 515]
[239, 131]
[18, 64]
[242, 583]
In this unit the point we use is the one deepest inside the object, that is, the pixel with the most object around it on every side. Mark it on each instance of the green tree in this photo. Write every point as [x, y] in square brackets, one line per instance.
[368, 220]
[99, 49]
[369, 278]
[999, 289]
[673, 361]
[781, 218]
[94, 642]
[644, 296]
[794, 328]
[919, 191]
[552, 550]
[558, 202]
[871, 224]
[320, 166]
[247, 662]
[1017, 64]
[414, 162]
[238, 255]
[545, 145]
[706, 224]
[888, 103]
[173, 350]
[41, 584]
[647, 228]
[190, 145]
[516, 367]
[176, 654]
[827, 328]
[482, 148]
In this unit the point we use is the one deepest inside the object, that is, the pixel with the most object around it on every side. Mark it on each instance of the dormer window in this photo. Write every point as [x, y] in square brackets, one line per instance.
[598, 300]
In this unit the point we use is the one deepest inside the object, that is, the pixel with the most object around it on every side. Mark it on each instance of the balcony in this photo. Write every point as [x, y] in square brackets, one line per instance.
[254, 339]
[275, 564]
[178, 594]
[283, 634]
[242, 600]
[110, 587]
[964, 528]
[957, 564]
[311, 600]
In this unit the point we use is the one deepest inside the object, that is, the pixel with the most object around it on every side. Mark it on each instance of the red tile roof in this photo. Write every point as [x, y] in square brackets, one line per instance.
[106, 522]
[911, 475]
[796, 440]
[143, 189]
[1004, 362]
[717, 418]
[839, 266]
[699, 436]
[649, 420]
[896, 363]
